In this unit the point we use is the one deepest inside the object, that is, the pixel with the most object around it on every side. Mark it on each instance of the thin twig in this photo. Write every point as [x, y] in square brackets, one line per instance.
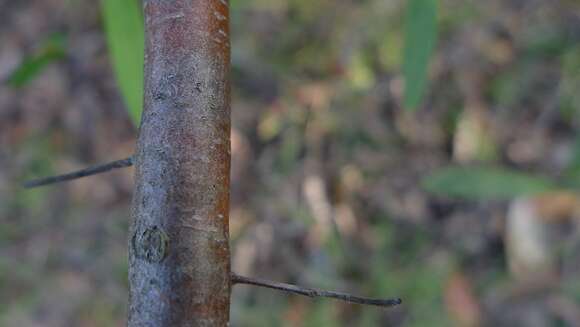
[80, 173]
[311, 292]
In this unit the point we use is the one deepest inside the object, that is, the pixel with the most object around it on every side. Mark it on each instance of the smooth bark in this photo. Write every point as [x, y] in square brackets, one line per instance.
[179, 265]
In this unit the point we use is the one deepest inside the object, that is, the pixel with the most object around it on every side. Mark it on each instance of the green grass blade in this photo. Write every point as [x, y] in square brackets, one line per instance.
[31, 66]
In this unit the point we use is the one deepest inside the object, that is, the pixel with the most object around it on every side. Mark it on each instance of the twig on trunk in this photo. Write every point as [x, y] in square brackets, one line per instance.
[311, 292]
[80, 173]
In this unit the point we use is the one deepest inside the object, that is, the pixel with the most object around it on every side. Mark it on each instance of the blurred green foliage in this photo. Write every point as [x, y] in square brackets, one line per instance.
[570, 82]
[573, 169]
[123, 22]
[399, 266]
[480, 183]
[420, 38]
[53, 50]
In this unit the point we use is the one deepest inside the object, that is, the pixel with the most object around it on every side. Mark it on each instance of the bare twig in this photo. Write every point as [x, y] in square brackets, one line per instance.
[311, 292]
[80, 173]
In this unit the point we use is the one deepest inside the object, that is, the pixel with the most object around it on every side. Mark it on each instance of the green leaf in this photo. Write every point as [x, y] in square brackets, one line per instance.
[483, 183]
[31, 66]
[126, 40]
[420, 38]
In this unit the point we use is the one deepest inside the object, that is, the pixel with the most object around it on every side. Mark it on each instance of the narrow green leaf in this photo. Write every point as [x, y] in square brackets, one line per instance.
[31, 66]
[483, 183]
[126, 40]
[420, 38]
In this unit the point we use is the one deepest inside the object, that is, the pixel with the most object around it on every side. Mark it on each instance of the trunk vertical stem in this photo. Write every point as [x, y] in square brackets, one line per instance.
[179, 261]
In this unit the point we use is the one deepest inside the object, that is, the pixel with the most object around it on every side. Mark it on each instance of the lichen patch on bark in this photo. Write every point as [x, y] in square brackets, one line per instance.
[151, 244]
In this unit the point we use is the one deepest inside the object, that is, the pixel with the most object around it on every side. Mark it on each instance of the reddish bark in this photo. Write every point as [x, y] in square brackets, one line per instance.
[179, 264]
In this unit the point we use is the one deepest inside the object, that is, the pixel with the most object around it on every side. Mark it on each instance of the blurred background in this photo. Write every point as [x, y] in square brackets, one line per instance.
[455, 192]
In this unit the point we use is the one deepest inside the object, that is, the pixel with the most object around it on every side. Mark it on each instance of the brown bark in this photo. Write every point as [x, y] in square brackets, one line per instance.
[179, 265]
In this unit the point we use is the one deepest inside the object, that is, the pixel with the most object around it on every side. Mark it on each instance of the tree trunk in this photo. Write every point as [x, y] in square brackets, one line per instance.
[179, 263]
